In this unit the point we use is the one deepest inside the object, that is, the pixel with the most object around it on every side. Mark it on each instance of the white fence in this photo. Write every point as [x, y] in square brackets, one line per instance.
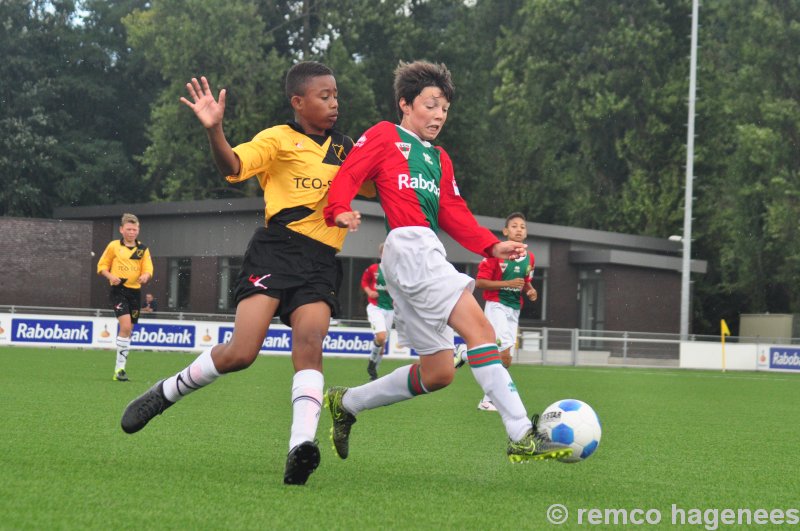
[69, 327]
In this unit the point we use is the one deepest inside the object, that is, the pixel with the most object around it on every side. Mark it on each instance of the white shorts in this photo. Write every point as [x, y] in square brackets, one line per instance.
[505, 321]
[424, 287]
[380, 320]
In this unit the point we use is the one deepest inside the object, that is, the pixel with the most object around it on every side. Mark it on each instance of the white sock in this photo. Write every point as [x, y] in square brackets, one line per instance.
[199, 373]
[375, 353]
[123, 344]
[400, 384]
[307, 387]
[496, 382]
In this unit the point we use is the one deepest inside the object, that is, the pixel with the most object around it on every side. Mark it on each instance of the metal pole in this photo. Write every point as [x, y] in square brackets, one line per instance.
[687, 209]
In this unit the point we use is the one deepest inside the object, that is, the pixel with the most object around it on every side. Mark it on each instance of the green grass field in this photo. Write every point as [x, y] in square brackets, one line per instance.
[215, 461]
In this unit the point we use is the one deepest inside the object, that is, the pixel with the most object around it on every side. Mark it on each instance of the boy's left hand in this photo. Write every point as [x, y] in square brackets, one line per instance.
[532, 294]
[144, 278]
[509, 250]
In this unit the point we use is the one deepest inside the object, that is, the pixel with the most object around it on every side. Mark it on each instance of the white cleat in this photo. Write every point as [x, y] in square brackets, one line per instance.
[486, 405]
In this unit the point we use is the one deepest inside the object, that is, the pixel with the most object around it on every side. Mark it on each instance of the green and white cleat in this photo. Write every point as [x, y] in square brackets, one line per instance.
[536, 446]
[342, 420]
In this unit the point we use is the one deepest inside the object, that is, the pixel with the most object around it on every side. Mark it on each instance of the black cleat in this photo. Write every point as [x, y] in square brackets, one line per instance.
[342, 420]
[141, 410]
[372, 370]
[300, 463]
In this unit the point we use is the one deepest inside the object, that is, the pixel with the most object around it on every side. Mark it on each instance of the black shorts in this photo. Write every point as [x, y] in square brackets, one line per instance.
[126, 301]
[290, 267]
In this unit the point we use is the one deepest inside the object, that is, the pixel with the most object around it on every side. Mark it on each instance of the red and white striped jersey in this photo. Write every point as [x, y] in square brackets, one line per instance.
[415, 182]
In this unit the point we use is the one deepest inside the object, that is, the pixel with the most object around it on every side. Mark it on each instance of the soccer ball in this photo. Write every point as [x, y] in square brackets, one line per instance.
[574, 423]
[460, 355]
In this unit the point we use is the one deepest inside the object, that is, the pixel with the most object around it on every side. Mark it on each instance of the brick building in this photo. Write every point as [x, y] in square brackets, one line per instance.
[588, 279]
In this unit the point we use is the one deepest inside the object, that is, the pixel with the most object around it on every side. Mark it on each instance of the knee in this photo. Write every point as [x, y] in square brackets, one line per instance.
[232, 359]
[437, 379]
[380, 338]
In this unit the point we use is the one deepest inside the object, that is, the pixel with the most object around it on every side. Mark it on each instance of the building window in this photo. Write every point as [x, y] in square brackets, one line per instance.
[228, 272]
[592, 295]
[180, 277]
[352, 299]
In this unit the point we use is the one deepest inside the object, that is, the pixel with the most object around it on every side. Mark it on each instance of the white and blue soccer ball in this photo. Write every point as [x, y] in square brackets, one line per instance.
[574, 423]
[459, 355]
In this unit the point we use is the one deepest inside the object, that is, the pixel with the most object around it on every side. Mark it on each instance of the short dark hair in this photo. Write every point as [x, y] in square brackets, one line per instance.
[297, 77]
[411, 78]
[515, 215]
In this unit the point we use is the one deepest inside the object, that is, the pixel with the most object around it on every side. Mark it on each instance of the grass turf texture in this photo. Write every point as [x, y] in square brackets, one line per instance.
[215, 460]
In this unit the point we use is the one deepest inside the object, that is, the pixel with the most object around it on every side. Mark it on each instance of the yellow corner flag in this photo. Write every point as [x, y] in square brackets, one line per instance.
[723, 331]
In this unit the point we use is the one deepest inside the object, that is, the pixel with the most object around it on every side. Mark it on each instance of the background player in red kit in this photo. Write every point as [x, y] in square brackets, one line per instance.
[503, 282]
[419, 195]
[380, 312]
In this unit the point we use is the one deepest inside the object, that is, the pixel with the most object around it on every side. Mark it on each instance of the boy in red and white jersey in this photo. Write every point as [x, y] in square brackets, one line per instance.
[418, 192]
[503, 282]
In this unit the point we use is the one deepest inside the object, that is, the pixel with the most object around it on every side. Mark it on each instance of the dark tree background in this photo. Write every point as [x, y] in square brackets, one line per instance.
[572, 111]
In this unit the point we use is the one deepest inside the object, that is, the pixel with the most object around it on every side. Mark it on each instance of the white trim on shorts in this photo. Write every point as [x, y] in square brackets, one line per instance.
[424, 286]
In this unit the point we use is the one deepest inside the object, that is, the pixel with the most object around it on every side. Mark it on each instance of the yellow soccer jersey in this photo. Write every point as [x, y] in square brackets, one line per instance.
[295, 172]
[125, 262]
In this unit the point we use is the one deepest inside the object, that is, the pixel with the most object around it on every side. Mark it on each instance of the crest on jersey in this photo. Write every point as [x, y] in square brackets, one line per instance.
[503, 266]
[404, 147]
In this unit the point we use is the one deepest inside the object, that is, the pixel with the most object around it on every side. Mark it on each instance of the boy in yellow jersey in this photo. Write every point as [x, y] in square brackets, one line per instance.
[289, 268]
[127, 265]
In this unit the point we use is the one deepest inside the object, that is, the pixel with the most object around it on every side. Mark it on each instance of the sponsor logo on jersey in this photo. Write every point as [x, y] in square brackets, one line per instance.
[308, 183]
[51, 331]
[417, 183]
[404, 147]
[163, 335]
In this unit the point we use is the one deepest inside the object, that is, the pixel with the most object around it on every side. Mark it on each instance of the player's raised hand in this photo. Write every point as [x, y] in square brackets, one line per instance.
[509, 250]
[349, 220]
[208, 110]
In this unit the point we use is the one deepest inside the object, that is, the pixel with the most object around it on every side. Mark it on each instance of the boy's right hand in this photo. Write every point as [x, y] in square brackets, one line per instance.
[208, 110]
[349, 220]
[515, 283]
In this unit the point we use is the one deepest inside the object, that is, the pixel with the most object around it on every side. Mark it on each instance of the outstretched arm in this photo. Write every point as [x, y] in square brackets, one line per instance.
[210, 113]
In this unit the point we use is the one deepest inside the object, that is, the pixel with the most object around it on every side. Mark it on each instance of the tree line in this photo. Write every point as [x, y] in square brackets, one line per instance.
[571, 111]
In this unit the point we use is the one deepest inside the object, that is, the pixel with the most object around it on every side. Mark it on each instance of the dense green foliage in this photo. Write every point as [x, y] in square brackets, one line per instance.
[572, 111]
[215, 460]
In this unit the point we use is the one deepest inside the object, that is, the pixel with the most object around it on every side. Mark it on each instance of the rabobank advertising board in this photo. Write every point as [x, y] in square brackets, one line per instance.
[51, 331]
[163, 335]
[167, 335]
[279, 340]
[784, 358]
